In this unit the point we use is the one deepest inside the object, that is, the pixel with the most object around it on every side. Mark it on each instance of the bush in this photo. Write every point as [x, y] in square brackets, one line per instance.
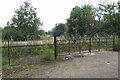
[48, 54]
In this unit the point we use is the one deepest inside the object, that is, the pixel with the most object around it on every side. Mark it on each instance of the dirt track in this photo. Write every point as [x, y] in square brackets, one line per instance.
[102, 64]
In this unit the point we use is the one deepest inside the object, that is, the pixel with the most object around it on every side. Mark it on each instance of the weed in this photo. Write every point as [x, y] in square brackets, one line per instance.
[48, 54]
[117, 46]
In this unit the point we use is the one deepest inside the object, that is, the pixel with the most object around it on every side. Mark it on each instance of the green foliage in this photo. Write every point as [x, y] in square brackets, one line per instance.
[48, 54]
[17, 54]
[117, 45]
[4, 61]
[1, 33]
[49, 32]
[24, 24]
[0, 64]
[41, 32]
[34, 50]
[111, 18]
[59, 29]
[12, 33]
[81, 20]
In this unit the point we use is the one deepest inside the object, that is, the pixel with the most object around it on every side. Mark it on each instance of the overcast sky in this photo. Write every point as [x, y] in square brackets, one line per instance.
[49, 11]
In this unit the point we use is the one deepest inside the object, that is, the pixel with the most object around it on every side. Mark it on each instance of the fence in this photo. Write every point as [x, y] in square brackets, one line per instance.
[83, 45]
[23, 54]
[60, 47]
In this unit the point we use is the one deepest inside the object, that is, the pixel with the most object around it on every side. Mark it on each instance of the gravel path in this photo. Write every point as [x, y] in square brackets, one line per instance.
[102, 64]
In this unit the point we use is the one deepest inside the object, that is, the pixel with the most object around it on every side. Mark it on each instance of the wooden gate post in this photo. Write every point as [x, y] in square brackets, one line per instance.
[55, 46]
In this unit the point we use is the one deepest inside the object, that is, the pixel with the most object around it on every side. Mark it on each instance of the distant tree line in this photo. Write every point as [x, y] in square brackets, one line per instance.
[82, 21]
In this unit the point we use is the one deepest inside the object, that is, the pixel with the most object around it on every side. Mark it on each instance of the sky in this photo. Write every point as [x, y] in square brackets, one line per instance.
[49, 11]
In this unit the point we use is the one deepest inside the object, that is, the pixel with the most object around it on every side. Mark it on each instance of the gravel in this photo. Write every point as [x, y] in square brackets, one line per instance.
[103, 64]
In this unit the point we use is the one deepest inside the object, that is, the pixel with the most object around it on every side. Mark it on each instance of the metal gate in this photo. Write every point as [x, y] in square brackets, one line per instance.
[78, 46]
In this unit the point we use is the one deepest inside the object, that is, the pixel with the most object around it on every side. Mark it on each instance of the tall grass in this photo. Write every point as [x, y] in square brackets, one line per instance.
[48, 54]
[117, 45]
[0, 63]
[20, 54]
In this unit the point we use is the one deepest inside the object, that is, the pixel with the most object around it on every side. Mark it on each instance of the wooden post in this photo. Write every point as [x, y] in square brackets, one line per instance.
[55, 46]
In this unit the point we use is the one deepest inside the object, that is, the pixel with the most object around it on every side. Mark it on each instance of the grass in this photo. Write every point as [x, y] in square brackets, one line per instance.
[35, 54]
[17, 53]
[117, 45]
[48, 54]
[0, 64]
[21, 71]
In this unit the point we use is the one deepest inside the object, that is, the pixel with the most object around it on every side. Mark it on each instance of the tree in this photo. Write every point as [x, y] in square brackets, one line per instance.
[25, 19]
[49, 32]
[41, 32]
[12, 33]
[111, 17]
[59, 29]
[81, 20]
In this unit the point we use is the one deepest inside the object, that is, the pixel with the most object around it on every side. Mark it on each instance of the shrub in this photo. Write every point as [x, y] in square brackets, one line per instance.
[48, 54]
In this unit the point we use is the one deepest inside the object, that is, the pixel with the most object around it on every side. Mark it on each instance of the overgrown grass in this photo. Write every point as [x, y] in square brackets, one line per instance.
[117, 45]
[0, 64]
[48, 54]
[19, 55]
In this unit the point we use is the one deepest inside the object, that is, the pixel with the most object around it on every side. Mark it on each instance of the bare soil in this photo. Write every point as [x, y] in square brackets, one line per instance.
[103, 64]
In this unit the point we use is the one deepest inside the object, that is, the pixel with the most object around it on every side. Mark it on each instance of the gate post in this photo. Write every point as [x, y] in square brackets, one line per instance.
[90, 45]
[106, 43]
[79, 46]
[55, 46]
[99, 44]
[113, 42]
[69, 47]
[8, 52]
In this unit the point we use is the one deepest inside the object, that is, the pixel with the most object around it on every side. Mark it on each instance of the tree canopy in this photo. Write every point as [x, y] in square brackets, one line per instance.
[81, 19]
[24, 23]
[111, 17]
